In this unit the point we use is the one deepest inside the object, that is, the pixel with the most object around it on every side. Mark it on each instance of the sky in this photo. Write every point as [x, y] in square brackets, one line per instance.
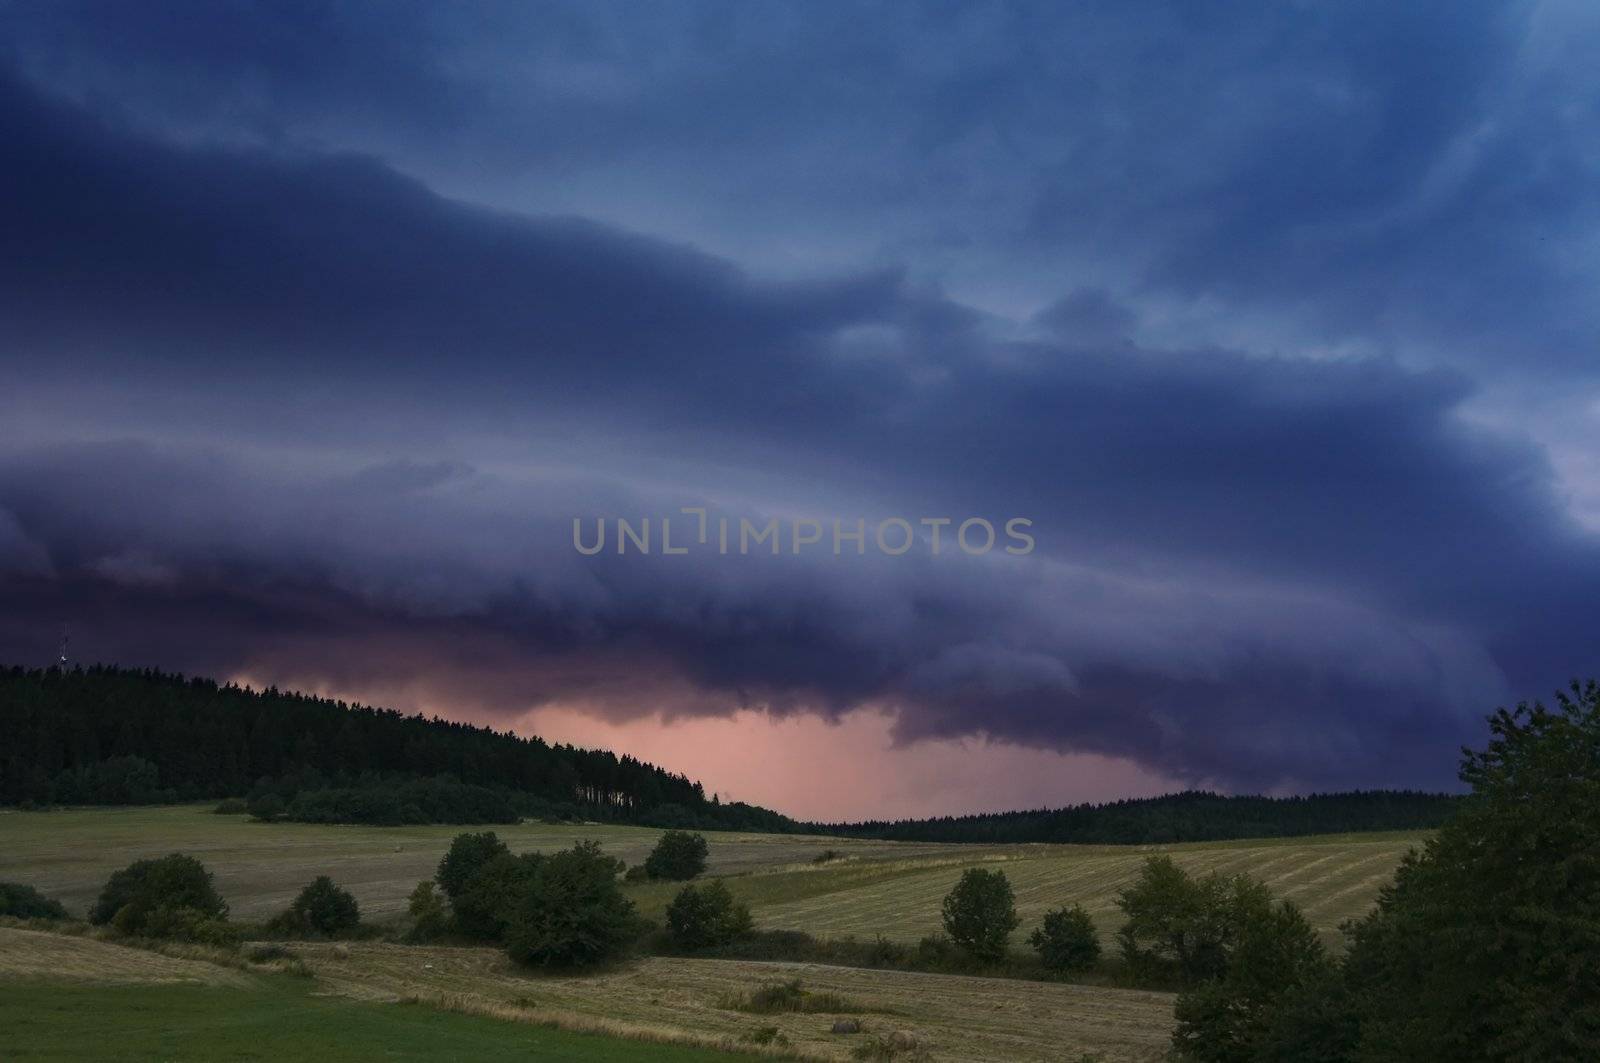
[322, 326]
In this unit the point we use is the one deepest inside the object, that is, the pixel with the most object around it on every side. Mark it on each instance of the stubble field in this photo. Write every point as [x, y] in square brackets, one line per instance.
[869, 888]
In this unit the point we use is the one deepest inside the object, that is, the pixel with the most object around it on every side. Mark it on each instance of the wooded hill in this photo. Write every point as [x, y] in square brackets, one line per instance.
[122, 736]
[119, 736]
[1192, 816]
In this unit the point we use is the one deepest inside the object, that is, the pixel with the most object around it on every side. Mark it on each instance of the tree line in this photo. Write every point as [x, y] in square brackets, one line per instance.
[1485, 946]
[1191, 816]
[106, 735]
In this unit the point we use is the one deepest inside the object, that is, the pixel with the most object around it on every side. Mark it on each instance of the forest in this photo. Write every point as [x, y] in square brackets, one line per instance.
[105, 735]
[115, 736]
[1192, 816]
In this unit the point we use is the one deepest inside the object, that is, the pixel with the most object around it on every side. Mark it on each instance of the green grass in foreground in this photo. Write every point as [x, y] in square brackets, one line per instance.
[280, 1021]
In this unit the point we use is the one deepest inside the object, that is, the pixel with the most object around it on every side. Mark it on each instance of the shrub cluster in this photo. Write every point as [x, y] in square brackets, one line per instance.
[702, 917]
[172, 896]
[1066, 940]
[791, 997]
[25, 902]
[561, 910]
[1484, 948]
[677, 857]
[322, 910]
[387, 802]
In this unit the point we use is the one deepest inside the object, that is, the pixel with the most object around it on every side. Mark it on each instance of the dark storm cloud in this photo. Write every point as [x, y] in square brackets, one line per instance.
[352, 418]
[1339, 172]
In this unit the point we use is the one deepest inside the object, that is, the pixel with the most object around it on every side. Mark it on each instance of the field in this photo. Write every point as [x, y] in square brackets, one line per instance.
[862, 889]
[675, 1007]
[889, 888]
[78, 999]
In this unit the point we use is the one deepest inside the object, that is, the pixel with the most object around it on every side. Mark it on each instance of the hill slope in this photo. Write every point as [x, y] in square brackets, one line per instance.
[119, 736]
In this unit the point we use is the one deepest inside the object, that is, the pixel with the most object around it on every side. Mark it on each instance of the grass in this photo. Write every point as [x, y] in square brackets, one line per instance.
[777, 998]
[847, 893]
[278, 1019]
[260, 867]
[955, 1017]
[1333, 879]
[863, 888]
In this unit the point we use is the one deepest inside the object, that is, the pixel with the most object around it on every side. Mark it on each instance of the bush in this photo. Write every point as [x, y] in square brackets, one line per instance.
[1066, 941]
[489, 900]
[321, 910]
[1481, 949]
[572, 913]
[133, 896]
[1226, 1018]
[233, 806]
[429, 920]
[184, 924]
[25, 902]
[705, 916]
[980, 914]
[265, 807]
[778, 998]
[468, 853]
[900, 1044]
[1485, 945]
[1181, 927]
[677, 857]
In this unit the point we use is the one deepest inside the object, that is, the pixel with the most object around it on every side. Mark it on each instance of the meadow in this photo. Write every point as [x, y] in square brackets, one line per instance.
[868, 887]
[65, 998]
[829, 887]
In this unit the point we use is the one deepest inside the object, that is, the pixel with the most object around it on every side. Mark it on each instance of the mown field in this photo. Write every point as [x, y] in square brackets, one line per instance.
[862, 889]
[370, 1000]
[78, 999]
[889, 888]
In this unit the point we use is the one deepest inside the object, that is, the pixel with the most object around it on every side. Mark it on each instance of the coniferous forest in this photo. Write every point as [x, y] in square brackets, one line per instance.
[113, 736]
[118, 736]
[1193, 816]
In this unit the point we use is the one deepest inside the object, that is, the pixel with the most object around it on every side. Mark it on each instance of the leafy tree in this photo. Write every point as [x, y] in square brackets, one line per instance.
[467, 854]
[572, 913]
[134, 895]
[1275, 951]
[429, 919]
[702, 917]
[187, 924]
[1183, 927]
[980, 913]
[25, 902]
[265, 807]
[1314, 1022]
[322, 909]
[1486, 945]
[1066, 940]
[677, 857]
[486, 906]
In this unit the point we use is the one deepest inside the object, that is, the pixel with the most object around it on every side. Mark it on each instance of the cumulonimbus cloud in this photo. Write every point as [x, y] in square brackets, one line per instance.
[300, 416]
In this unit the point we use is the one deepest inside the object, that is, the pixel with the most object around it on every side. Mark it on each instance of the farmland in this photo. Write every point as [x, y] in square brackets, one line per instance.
[64, 998]
[826, 886]
[870, 888]
[676, 1007]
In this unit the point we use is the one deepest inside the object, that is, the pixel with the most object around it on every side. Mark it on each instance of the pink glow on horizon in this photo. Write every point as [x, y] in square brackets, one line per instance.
[811, 769]
[800, 765]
